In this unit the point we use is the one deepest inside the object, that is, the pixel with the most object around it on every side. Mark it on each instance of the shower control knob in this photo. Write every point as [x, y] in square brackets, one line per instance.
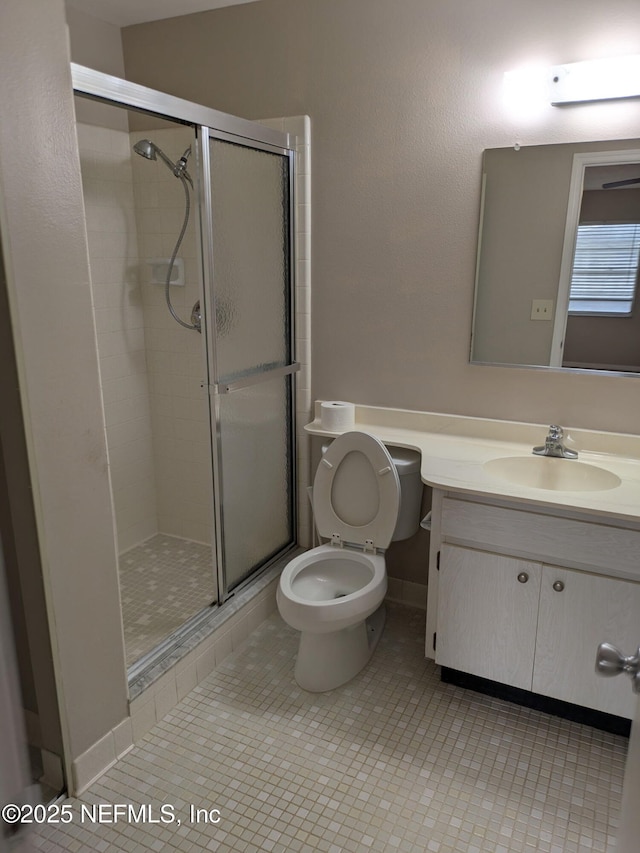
[196, 317]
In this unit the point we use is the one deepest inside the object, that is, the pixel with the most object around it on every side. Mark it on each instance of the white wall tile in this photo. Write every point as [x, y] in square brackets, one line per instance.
[205, 663]
[186, 680]
[224, 647]
[143, 719]
[239, 630]
[178, 419]
[166, 698]
[109, 201]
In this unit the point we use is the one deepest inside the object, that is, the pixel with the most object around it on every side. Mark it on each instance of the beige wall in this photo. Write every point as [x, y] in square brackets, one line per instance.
[612, 343]
[403, 95]
[18, 532]
[45, 246]
[98, 45]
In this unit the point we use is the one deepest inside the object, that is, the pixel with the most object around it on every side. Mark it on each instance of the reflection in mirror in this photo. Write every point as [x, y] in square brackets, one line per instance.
[598, 282]
[533, 305]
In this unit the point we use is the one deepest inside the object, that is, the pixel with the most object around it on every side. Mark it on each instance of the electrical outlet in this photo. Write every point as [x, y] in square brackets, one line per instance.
[542, 309]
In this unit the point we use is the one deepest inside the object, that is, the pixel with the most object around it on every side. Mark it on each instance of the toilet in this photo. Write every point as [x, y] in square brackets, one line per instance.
[333, 594]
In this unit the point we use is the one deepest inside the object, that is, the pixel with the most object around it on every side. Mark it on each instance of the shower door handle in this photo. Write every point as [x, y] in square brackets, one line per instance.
[246, 381]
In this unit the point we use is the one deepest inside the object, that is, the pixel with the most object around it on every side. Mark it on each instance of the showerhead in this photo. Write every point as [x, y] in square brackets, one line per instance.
[151, 151]
[146, 148]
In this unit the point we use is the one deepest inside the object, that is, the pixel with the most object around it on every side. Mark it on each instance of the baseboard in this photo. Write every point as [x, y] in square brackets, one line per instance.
[408, 593]
[96, 760]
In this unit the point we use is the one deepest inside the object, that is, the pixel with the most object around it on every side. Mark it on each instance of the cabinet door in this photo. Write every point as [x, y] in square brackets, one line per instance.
[486, 616]
[588, 610]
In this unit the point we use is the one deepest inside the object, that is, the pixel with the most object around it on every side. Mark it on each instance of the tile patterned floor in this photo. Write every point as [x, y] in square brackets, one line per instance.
[163, 582]
[392, 761]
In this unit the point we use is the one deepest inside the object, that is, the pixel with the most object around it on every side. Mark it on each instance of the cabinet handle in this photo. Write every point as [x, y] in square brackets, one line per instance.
[523, 577]
[558, 586]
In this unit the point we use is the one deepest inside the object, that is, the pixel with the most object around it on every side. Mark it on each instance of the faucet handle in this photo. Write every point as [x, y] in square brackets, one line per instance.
[553, 445]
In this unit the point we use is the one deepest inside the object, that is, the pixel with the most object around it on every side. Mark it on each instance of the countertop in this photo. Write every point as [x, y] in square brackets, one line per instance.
[454, 450]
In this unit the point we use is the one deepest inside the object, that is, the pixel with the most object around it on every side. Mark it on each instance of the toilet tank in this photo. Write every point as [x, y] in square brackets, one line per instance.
[407, 464]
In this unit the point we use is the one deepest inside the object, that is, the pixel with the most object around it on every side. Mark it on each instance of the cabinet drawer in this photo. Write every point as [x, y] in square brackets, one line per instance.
[578, 544]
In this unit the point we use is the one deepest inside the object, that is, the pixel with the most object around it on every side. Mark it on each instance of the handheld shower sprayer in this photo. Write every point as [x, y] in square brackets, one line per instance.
[151, 151]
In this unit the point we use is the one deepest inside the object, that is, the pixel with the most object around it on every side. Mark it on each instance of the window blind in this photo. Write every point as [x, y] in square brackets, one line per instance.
[605, 268]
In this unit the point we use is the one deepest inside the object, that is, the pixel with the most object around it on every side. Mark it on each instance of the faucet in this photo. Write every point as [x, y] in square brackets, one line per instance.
[553, 445]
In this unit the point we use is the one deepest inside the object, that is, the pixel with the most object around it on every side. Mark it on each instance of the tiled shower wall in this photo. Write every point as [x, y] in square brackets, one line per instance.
[151, 368]
[175, 355]
[113, 250]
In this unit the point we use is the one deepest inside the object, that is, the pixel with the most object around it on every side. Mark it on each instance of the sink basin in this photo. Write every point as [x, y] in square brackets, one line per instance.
[548, 472]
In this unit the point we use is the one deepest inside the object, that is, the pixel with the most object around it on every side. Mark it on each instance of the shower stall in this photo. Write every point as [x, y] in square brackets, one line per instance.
[191, 251]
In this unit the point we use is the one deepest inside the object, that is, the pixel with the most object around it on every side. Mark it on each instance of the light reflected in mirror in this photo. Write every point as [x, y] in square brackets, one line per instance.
[536, 303]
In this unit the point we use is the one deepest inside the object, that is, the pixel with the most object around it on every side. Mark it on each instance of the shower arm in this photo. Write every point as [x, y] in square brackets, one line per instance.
[164, 157]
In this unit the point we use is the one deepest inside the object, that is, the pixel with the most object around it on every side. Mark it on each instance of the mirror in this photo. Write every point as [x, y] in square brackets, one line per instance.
[533, 200]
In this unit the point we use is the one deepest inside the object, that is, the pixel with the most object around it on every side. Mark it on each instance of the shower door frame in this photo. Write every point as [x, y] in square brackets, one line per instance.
[217, 387]
[208, 122]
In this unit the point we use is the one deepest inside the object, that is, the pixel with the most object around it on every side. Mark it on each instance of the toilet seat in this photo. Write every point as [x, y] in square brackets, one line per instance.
[318, 602]
[356, 493]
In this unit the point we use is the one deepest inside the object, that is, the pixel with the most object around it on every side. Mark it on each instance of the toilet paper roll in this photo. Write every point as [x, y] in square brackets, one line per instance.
[337, 416]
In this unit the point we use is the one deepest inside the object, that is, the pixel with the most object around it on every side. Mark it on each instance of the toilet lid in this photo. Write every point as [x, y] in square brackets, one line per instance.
[356, 491]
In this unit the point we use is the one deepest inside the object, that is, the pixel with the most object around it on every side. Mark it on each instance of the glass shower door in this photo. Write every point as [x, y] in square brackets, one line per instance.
[250, 353]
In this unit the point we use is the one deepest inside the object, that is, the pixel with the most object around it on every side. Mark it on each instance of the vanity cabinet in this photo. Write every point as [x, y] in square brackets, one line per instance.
[524, 598]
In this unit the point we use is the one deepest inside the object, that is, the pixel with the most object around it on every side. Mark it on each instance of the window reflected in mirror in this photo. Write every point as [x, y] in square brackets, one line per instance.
[603, 324]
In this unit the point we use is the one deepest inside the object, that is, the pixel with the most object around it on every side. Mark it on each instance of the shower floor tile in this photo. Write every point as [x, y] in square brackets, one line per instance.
[393, 761]
[163, 582]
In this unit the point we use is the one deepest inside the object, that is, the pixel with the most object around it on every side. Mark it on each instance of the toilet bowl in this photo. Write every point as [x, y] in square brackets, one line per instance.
[333, 594]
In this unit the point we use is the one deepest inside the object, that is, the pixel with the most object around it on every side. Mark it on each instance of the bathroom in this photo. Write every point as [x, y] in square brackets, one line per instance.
[402, 107]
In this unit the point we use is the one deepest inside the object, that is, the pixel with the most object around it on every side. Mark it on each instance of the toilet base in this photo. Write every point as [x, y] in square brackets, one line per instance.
[326, 661]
